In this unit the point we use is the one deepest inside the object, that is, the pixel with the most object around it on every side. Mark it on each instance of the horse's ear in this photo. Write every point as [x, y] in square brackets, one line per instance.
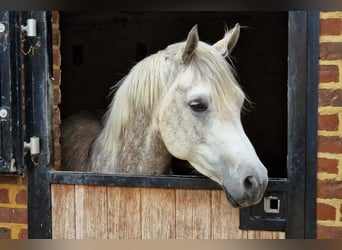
[227, 44]
[190, 44]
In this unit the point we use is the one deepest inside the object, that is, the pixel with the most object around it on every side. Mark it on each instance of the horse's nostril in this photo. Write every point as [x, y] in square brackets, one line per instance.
[250, 183]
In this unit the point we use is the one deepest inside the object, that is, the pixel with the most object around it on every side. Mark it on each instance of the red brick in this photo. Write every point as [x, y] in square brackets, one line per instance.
[56, 132]
[57, 96]
[324, 232]
[57, 116]
[58, 152]
[21, 197]
[324, 97]
[9, 180]
[337, 98]
[331, 26]
[23, 235]
[329, 144]
[55, 17]
[329, 189]
[330, 51]
[56, 37]
[327, 165]
[4, 198]
[5, 233]
[328, 73]
[328, 122]
[325, 212]
[56, 57]
[13, 215]
[57, 77]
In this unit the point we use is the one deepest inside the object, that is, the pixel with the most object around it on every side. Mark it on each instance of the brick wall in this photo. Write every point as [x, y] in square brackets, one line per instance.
[13, 208]
[329, 200]
[13, 190]
[56, 40]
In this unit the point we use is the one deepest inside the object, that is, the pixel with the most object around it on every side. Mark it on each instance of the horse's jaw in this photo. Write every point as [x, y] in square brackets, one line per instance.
[230, 198]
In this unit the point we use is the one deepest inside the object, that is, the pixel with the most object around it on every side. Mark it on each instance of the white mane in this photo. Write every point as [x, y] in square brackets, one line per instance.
[148, 81]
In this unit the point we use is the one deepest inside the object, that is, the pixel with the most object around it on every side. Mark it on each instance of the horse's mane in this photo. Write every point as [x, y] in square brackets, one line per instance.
[146, 84]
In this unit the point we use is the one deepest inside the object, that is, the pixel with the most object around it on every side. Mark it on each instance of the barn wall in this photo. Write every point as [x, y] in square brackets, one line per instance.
[329, 200]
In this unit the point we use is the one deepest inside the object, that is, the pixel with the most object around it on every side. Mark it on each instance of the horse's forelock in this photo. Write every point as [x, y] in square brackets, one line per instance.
[220, 75]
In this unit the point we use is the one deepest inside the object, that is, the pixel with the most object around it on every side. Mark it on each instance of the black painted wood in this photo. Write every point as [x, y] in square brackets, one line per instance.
[39, 114]
[302, 152]
[11, 142]
[311, 124]
[122, 180]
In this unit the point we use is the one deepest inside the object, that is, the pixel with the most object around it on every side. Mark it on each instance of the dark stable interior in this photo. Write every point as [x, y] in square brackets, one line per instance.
[99, 48]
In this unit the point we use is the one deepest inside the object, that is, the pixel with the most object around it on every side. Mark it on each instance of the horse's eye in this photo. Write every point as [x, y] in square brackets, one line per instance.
[198, 106]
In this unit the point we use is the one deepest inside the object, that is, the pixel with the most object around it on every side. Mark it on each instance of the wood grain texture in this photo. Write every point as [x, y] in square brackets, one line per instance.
[91, 212]
[124, 217]
[193, 214]
[158, 212]
[225, 218]
[265, 235]
[63, 211]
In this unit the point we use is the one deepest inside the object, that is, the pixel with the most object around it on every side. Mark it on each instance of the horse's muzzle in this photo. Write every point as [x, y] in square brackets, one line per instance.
[251, 195]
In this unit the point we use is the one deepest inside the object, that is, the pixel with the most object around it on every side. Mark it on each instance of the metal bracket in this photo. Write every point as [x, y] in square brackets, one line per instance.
[34, 147]
[30, 28]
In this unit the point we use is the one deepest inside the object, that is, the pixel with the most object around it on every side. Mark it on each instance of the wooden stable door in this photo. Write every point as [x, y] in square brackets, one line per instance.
[85, 211]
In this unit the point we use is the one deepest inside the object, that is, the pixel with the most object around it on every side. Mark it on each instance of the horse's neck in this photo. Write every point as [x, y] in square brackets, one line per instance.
[141, 150]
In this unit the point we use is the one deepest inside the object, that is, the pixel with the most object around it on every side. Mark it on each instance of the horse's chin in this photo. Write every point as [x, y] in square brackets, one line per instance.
[230, 198]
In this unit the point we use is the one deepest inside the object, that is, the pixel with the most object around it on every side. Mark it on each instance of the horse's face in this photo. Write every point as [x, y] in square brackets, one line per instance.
[212, 141]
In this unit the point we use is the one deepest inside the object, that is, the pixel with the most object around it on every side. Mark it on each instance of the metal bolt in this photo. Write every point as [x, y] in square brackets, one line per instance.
[2, 27]
[3, 113]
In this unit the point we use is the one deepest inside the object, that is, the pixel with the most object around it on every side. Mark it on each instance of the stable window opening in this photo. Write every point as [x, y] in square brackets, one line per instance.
[99, 48]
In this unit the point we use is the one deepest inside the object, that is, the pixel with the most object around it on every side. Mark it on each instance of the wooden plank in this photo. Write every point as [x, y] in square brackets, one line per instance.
[193, 214]
[158, 211]
[124, 216]
[225, 218]
[91, 212]
[265, 234]
[63, 211]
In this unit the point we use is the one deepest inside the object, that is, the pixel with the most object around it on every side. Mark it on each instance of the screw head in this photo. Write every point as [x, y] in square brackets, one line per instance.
[2, 27]
[3, 113]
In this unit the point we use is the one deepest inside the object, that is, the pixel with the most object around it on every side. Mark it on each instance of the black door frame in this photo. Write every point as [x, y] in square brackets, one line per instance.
[297, 192]
[300, 184]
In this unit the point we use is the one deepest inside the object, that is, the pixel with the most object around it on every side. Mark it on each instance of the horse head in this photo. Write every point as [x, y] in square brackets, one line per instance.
[199, 117]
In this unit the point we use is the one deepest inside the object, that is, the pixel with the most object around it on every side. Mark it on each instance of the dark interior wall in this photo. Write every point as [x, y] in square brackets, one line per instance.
[99, 48]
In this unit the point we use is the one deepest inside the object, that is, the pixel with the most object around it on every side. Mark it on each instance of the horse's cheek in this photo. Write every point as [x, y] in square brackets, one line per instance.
[174, 131]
